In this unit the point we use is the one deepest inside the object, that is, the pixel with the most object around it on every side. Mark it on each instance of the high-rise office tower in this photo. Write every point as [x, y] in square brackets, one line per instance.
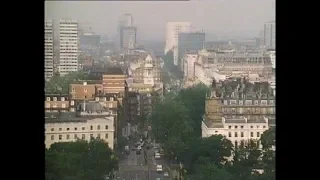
[128, 36]
[270, 34]
[126, 20]
[48, 49]
[68, 47]
[172, 31]
[190, 42]
[127, 32]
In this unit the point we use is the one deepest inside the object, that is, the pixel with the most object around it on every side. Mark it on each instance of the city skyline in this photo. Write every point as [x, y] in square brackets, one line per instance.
[245, 18]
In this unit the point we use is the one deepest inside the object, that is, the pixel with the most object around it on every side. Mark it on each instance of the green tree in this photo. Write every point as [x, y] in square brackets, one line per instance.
[268, 138]
[194, 100]
[171, 124]
[212, 172]
[60, 84]
[79, 160]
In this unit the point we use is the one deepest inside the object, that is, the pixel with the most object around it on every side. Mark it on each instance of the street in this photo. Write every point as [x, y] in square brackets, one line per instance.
[134, 167]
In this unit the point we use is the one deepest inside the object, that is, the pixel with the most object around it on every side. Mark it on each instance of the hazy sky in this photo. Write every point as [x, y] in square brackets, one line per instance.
[220, 17]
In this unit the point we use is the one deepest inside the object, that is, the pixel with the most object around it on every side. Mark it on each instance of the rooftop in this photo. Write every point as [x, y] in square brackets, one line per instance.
[114, 71]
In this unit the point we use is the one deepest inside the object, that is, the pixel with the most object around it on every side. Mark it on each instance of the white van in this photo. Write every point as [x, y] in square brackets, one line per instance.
[157, 155]
[159, 168]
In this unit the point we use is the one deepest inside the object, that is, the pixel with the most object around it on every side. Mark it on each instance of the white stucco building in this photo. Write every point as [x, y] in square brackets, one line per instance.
[236, 130]
[48, 49]
[189, 60]
[68, 47]
[206, 74]
[172, 31]
[71, 129]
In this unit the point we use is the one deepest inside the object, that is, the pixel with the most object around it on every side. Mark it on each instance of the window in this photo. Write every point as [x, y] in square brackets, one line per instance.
[72, 102]
[63, 105]
[62, 98]
[73, 90]
[52, 129]
[91, 127]
[251, 134]
[54, 98]
[75, 136]
[72, 110]
[98, 127]
[60, 137]
[264, 127]
[111, 99]
[235, 127]
[110, 105]
[68, 136]
[241, 127]
[85, 90]
[236, 143]
[242, 134]
[83, 128]
[107, 127]
[54, 105]
[60, 129]
[52, 137]
[83, 136]
[75, 128]
[230, 134]
[251, 127]
[47, 105]
[91, 136]
[229, 127]
[48, 98]
[106, 136]
[258, 134]
[258, 127]
[98, 136]
[235, 134]
[97, 98]
[68, 129]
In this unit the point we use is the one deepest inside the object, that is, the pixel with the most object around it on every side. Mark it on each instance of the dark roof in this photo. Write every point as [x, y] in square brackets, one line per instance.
[114, 71]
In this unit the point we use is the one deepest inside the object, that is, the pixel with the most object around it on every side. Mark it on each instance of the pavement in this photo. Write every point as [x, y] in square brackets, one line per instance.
[142, 166]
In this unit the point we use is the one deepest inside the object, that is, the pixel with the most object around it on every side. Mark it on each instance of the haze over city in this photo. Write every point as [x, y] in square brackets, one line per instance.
[228, 18]
[160, 90]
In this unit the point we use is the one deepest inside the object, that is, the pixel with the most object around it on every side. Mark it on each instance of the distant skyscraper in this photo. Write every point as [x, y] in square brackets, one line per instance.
[270, 34]
[189, 42]
[126, 20]
[68, 47]
[172, 31]
[48, 49]
[128, 36]
[127, 32]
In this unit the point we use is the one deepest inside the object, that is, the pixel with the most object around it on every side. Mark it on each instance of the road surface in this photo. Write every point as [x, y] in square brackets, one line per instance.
[136, 167]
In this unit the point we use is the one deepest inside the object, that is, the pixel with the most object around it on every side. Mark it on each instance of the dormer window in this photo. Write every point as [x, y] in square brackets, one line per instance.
[54, 98]
[256, 102]
[97, 98]
[62, 99]
[48, 98]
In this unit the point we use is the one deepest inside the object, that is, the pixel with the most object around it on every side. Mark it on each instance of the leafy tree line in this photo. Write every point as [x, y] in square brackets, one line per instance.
[176, 124]
[80, 160]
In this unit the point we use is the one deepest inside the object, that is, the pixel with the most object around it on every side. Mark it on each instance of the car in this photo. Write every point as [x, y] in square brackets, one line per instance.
[166, 174]
[159, 168]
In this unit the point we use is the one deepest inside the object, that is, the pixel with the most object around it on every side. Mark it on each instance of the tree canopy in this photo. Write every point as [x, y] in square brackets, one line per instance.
[80, 160]
[60, 84]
